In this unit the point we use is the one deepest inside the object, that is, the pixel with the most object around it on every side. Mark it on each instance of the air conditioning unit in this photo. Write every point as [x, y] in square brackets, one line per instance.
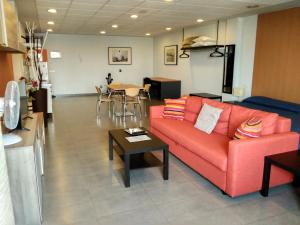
[8, 27]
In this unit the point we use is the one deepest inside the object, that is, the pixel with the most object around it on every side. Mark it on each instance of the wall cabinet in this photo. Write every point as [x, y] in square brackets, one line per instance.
[162, 88]
[25, 163]
[9, 28]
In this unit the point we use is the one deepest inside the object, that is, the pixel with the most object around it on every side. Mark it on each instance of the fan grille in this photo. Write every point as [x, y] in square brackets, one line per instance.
[11, 105]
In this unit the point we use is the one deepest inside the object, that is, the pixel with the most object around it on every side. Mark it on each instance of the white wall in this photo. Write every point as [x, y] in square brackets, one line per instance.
[84, 62]
[246, 52]
[201, 73]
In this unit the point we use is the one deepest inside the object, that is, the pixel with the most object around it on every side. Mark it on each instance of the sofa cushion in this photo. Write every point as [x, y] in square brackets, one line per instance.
[174, 108]
[251, 128]
[208, 118]
[239, 114]
[211, 147]
[223, 122]
[192, 108]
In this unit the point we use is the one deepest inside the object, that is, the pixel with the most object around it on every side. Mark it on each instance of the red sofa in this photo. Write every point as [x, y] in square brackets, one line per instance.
[235, 166]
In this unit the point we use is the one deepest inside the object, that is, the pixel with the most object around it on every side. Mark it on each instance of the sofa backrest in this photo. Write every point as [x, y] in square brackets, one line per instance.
[192, 108]
[194, 105]
[223, 122]
[273, 103]
[233, 115]
[283, 125]
[239, 114]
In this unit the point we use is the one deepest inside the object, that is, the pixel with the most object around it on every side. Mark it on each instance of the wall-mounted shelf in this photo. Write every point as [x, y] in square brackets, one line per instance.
[203, 47]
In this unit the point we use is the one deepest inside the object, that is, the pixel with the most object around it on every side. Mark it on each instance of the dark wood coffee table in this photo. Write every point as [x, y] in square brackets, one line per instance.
[289, 161]
[127, 150]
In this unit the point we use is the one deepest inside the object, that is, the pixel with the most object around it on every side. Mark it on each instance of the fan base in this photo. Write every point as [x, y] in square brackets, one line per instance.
[10, 139]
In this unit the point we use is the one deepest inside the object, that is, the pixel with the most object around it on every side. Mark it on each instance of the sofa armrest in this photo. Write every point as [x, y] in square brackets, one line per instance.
[156, 112]
[246, 160]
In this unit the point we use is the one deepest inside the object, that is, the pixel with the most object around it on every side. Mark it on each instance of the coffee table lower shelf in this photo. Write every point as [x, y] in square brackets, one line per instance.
[140, 160]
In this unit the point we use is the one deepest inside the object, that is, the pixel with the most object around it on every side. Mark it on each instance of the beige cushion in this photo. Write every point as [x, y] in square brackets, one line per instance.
[208, 118]
[203, 43]
[189, 40]
[204, 38]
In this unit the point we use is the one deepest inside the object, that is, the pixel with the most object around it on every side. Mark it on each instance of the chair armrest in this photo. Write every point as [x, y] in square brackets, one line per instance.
[246, 160]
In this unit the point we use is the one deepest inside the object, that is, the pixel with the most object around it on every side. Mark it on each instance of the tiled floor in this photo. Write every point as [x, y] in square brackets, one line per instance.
[82, 187]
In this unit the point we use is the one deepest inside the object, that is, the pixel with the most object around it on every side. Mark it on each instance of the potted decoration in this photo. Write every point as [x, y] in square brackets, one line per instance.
[37, 94]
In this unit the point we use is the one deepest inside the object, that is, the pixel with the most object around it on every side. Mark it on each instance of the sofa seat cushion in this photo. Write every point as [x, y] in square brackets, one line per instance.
[211, 147]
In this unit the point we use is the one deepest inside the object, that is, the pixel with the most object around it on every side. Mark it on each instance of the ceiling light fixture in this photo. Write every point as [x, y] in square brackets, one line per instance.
[147, 34]
[50, 22]
[200, 20]
[168, 28]
[134, 16]
[114, 26]
[49, 30]
[52, 11]
[168, 0]
[103, 32]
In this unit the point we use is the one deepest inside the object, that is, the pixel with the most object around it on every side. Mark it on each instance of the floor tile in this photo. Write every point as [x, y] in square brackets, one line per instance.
[141, 216]
[83, 187]
[282, 219]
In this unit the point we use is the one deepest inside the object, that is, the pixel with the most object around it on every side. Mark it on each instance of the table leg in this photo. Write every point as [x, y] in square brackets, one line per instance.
[166, 163]
[296, 181]
[124, 105]
[110, 147]
[127, 170]
[266, 177]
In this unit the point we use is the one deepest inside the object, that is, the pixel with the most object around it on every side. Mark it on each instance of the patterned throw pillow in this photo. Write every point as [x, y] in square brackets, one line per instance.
[251, 128]
[174, 108]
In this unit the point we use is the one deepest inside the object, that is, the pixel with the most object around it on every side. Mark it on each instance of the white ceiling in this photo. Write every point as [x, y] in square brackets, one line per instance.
[91, 16]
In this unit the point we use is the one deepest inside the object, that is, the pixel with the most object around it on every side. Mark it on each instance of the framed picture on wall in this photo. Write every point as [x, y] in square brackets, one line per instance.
[119, 56]
[171, 55]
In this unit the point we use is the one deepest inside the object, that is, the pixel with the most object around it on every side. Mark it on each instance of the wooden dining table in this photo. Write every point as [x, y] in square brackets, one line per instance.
[121, 87]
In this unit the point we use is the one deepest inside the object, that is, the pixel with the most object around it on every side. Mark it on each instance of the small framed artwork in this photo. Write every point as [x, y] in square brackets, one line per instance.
[119, 56]
[171, 55]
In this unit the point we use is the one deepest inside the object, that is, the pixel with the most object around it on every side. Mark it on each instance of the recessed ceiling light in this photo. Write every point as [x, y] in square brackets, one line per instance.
[200, 20]
[168, 28]
[114, 26]
[49, 30]
[147, 34]
[252, 6]
[168, 0]
[134, 16]
[50, 22]
[103, 32]
[52, 10]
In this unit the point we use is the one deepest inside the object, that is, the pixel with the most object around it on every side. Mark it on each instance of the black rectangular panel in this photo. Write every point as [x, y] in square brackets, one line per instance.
[228, 69]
